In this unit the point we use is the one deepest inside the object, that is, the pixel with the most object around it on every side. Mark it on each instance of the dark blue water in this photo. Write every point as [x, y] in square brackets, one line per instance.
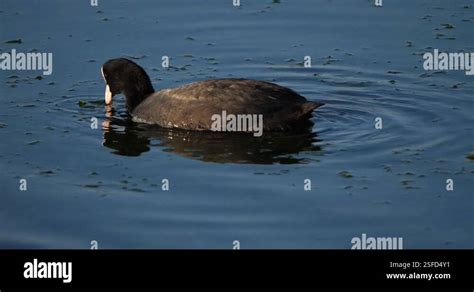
[105, 184]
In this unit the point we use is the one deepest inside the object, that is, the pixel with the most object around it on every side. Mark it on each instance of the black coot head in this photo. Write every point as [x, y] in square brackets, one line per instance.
[124, 76]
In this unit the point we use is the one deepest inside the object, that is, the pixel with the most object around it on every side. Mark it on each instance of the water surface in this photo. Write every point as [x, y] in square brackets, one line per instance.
[105, 184]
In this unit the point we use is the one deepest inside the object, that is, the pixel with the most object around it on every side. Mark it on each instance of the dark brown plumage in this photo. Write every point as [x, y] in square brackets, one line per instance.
[191, 106]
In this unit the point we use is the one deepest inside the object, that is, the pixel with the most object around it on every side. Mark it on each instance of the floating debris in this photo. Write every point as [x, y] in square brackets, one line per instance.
[406, 182]
[447, 25]
[345, 174]
[93, 186]
[470, 156]
[46, 172]
[15, 41]
[137, 190]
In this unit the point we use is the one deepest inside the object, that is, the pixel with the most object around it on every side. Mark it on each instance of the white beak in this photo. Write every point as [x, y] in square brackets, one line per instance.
[108, 95]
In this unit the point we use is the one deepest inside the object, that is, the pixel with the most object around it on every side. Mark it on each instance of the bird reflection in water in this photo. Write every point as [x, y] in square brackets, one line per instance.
[127, 138]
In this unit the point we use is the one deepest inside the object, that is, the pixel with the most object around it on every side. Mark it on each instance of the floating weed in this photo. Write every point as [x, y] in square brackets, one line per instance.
[447, 25]
[406, 182]
[387, 168]
[137, 190]
[81, 103]
[345, 174]
[46, 172]
[14, 41]
[91, 186]
[470, 156]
